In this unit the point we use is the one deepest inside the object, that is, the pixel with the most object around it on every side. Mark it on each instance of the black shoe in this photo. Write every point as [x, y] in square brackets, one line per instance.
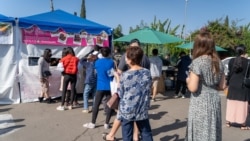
[40, 99]
[49, 100]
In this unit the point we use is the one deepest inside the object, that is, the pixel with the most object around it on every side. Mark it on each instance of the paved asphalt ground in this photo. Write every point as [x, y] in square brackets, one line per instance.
[42, 122]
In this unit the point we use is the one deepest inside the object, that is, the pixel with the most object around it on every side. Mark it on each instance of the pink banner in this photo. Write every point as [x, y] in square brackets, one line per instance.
[34, 35]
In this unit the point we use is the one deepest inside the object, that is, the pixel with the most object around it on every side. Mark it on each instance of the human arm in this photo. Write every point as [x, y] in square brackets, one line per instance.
[122, 65]
[40, 69]
[222, 84]
[192, 82]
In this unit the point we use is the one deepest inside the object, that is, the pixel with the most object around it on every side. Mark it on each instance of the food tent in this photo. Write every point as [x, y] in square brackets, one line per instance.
[54, 30]
[9, 91]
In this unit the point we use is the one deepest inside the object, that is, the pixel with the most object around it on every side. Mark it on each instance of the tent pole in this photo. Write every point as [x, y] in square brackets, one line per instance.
[147, 50]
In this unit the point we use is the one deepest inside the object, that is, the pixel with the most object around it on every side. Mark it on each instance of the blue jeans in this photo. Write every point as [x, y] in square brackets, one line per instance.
[89, 88]
[143, 126]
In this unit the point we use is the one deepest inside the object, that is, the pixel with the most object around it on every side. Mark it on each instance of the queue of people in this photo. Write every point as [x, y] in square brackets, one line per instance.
[138, 77]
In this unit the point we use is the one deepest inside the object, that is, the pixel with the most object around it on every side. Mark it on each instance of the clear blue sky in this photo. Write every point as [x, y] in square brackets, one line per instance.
[130, 13]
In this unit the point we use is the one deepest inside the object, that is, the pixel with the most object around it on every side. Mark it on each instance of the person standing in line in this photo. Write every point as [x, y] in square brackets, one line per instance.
[206, 77]
[238, 95]
[122, 67]
[102, 67]
[166, 60]
[134, 92]
[156, 71]
[182, 66]
[44, 74]
[117, 55]
[68, 93]
[70, 64]
[90, 81]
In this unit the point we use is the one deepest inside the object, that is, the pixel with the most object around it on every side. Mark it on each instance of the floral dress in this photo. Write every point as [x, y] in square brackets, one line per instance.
[204, 117]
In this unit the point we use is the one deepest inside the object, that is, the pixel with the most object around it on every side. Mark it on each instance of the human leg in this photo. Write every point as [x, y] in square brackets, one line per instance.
[177, 88]
[45, 91]
[184, 88]
[127, 129]
[109, 110]
[135, 133]
[66, 80]
[73, 79]
[114, 129]
[145, 130]
[104, 101]
[87, 90]
[98, 99]
[40, 98]
[67, 97]
[154, 87]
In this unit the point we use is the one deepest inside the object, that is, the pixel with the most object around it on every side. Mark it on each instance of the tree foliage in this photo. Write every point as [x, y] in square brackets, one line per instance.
[227, 34]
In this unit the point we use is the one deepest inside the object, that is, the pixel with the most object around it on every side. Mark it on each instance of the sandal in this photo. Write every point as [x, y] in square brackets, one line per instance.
[228, 124]
[245, 128]
[104, 137]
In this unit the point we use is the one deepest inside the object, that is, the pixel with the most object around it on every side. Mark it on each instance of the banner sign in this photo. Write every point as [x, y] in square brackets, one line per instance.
[34, 35]
[6, 33]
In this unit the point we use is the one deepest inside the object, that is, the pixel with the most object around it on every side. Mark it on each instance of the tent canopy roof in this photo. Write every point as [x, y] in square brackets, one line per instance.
[7, 19]
[52, 21]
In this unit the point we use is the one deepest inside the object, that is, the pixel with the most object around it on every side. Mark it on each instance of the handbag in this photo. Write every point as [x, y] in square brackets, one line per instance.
[46, 74]
[246, 80]
[113, 86]
[113, 102]
[60, 67]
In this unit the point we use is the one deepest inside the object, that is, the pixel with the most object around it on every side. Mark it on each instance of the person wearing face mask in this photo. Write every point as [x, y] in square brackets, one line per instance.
[44, 74]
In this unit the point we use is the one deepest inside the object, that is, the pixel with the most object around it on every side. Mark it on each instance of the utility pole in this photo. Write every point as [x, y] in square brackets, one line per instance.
[185, 18]
[51, 5]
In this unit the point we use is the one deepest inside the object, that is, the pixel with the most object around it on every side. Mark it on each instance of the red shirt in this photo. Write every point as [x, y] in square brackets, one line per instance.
[70, 64]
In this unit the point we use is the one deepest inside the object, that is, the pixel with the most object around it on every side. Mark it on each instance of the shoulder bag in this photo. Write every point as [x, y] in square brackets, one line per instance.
[113, 101]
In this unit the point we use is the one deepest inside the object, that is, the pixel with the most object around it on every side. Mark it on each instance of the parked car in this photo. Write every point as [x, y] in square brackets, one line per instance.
[225, 63]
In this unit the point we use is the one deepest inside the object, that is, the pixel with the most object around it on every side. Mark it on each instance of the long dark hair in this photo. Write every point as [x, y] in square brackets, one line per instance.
[237, 65]
[70, 51]
[47, 55]
[64, 52]
[205, 45]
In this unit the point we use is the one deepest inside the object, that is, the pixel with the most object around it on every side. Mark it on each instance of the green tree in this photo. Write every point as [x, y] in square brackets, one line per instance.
[83, 10]
[228, 34]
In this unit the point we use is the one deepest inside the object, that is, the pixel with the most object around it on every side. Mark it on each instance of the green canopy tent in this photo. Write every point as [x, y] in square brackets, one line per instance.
[149, 36]
[190, 46]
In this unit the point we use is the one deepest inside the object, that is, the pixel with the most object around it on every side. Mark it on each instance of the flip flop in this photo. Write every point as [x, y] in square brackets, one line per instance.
[245, 128]
[104, 137]
[228, 124]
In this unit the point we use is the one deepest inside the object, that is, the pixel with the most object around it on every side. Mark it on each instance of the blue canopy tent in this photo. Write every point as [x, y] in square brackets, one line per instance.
[52, 21]
[9, 91]
[7, 19]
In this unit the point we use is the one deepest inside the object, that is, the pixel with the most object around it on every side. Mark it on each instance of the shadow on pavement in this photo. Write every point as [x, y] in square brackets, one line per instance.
[174, 126]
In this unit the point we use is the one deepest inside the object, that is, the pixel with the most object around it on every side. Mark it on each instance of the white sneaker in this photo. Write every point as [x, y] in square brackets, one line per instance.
[176, 96]
[89, 125]
[60, 108]
[106, 126]
[183, 96]
[85, 111]
[69, 107]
